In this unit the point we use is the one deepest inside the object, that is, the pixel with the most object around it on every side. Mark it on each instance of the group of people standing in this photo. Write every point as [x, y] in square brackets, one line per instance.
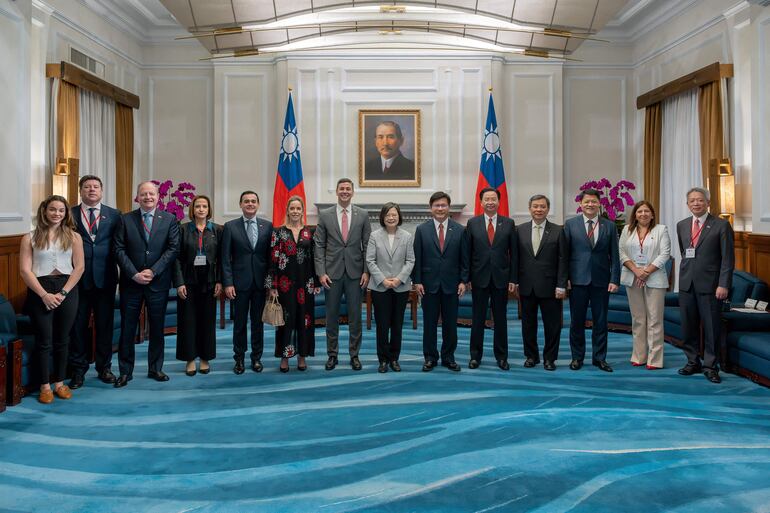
[74, 258]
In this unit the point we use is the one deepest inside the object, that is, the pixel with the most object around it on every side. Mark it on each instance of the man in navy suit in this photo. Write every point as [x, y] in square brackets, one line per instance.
[245, 257]
[146, 245]
[439, 276]
[96, 223]
[494, 269]
[594, 273]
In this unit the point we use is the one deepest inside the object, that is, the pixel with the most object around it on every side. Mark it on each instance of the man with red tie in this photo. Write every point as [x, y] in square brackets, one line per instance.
[494, 267]
[707, 245]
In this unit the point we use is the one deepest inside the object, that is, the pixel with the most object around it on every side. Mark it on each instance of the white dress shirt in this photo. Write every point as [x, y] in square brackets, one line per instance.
[487, 219]
[596, 226]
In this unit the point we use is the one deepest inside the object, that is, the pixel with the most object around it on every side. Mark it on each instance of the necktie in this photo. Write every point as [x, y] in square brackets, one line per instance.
[92, 221]
[695, 232]
[441, 237]
[385, 171]
[345, 226]
[252, 232]
[147, 226]
[536, 241]
[490, 232]
[590, 232]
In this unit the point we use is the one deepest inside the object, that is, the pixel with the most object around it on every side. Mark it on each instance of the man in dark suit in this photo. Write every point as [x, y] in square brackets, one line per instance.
[245, 257]
[594, 273]
[439, 276]
[494, 269]
[96, 223]
[542, 281]
[340, 242]
[707, 245]
[146, 246]
[390, 164]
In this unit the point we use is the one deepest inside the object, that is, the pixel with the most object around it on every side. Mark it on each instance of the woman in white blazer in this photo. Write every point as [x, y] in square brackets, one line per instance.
[390, 259]
[645, 247]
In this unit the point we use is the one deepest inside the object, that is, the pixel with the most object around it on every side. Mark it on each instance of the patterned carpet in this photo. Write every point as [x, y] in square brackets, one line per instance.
[475, 441]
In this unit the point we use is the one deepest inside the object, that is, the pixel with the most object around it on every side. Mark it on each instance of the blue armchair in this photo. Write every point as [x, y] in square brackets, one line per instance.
[8, 338]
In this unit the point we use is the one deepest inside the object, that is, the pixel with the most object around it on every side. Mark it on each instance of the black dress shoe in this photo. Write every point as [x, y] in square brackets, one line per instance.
[690, 369]
[107, 377]
[395, 366]
[549, 365]
[302, 368]
[473, 364]
[331, 363]
[256, 366]
[712, 375]
[76, 381]
[158, 376]
[205, 371]
[122, 381]
[428, 365]
[284, 369]
[355, 363]
[530, 362]
[576, 364]
[503, 364]
[383, 368]
[191, 372]
[603, 365]
[239, 368]
[453, 366]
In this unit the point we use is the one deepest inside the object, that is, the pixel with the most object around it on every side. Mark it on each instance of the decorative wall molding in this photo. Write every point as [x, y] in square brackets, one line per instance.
[762, 150]
[401, 85]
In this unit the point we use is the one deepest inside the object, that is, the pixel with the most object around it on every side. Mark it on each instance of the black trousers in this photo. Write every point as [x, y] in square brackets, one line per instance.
[102, 303]
[579, 299]
[696, 310]
[131, 299]
[247, 304]
[52, 328]
[446, 306]
[389, 307]
[551, 309]
[196, 335]
[481, 298]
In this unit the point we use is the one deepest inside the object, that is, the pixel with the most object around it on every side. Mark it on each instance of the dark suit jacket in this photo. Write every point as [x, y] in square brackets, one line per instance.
[435, 270]
[400, 169]
[599, 266]
[185, 271]
[134, 254]
[101, 268]
[498, 263]
[714, 260]
[540, 274]
[242, 266]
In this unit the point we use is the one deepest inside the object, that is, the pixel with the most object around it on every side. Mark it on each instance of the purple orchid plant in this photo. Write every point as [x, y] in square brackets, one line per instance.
[175, 202]
[614, 198]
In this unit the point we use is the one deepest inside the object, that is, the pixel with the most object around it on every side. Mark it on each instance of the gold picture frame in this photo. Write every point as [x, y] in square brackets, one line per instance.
[383, 159]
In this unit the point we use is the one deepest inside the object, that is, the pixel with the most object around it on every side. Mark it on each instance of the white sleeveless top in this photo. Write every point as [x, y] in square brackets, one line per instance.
[45, 261]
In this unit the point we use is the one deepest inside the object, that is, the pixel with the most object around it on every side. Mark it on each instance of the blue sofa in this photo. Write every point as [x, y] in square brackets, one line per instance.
[746, 336]
[8, 338]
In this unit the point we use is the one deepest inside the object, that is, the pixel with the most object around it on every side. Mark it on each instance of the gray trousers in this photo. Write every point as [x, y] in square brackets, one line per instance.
[353, 297]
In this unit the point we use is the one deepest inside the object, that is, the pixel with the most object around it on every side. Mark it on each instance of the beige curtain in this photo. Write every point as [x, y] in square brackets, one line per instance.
[711, 128]
[68, 133]
[653, 128]
[124, 156]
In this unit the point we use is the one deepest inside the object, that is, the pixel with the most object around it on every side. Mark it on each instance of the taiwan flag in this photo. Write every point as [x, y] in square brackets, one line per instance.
[288, 181]
[491, 172]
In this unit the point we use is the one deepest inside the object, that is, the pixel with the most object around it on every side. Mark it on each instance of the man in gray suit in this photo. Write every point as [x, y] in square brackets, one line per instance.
[707, 244]
[340, 240]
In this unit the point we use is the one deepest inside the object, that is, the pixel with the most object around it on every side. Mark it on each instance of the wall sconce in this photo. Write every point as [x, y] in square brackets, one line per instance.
[66, 166]
[722, 188]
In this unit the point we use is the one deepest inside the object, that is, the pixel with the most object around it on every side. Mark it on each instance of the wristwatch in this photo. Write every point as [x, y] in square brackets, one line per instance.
[63, 292]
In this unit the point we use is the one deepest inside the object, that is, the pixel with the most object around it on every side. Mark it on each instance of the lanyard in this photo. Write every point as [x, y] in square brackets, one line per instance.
[593, 229]
[85, 220]
[694, 236]
[145, 227]
[641, 241]
[200, 240]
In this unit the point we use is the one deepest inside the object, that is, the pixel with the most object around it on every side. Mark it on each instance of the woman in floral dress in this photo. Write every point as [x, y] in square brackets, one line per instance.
[293, 281]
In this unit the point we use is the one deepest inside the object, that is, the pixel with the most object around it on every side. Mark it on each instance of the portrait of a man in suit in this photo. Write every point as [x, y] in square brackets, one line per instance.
[389, 149]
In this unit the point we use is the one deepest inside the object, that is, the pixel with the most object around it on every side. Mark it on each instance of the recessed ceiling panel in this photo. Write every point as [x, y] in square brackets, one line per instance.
[537, 12]
[212, 13]
[247, 11]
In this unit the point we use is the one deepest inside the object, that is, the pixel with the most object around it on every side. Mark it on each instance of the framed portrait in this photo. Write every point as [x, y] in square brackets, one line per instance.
[389, 148]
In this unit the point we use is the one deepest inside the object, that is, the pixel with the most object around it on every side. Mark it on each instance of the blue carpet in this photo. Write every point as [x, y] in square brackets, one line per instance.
[474, 441]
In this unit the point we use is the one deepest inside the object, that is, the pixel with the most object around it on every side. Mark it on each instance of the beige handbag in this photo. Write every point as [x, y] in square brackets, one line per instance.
[273, 312]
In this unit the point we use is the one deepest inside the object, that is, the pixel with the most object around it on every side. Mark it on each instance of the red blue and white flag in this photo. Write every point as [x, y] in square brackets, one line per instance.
[491, 171]
[288, 181]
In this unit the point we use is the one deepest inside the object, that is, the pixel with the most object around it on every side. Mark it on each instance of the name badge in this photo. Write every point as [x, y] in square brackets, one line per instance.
[200, 260]
[689, 253]
[641, 260]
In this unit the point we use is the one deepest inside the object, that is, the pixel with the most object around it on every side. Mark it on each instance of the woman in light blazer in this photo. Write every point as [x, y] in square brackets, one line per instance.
[390, 259]
[645, 247]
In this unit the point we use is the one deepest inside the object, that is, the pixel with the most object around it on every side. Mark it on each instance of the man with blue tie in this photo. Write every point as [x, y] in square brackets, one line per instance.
[440, 274]
[594, 273]
[245, 257]
[96, 223]
[146, 245]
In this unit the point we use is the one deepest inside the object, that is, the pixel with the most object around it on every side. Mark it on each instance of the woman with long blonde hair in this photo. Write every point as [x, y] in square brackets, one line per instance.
[51, 262]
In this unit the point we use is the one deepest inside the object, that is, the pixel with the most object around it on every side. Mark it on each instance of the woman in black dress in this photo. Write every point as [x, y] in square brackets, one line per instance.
[293, 281]
[198, 282]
